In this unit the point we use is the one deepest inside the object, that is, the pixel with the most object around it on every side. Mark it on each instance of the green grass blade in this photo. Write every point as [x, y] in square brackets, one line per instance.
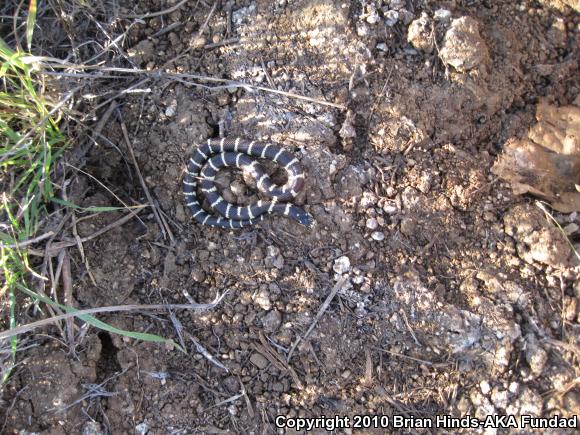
[100, 324]
[91, 209]
[30, 22]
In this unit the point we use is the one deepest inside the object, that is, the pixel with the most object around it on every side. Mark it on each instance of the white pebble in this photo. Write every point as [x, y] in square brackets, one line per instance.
[373, 18]
[485, 387]
[390, 208]
[372, 224]
[363, 30]
[170, 111]
[341, 264]
[378, 236]
[442, 15]
[272, 251]
[397, 4]
[391, 18]
[513, 387]
[262, 300]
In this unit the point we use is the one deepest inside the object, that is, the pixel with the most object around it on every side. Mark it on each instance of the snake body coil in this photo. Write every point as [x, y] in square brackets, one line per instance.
[209, 158]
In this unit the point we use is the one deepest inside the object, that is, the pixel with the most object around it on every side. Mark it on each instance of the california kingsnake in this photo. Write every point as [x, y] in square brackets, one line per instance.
[219, 153]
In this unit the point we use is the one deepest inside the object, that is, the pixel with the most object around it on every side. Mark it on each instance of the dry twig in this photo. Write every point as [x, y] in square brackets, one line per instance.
[116, 308]
[321, 311]
[158, 216]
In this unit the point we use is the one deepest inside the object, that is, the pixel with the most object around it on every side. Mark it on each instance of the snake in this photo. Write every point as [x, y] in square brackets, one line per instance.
[215, 154]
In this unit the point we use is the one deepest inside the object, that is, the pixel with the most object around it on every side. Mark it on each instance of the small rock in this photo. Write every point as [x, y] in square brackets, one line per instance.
[262, 299]
[408, 226]
[272, 321]
[363, 30]
[397, 4]
[378, 236]
[499, 398]
[571, 403]
[341, 265]
[274, 258]
[463, 47]
[278, 387]
[142, 428]
[198, 42]
[410, 198]
[373, 18]
[238, 188]
[223, 99]
[278, 262]
[272, 251]
[405, 16]
[536, 239]
[443, 15]
[92, 428]
[391, 18]
[180, 214]
[535, 355]
[571, 229]
[171, 110]
[513, 387]
[382, 46]
[347, 131]
[531, 403]
[259, 360]
[368, 200]
[372, 224]
[143, 52]
[488, 216]
[390, 208]
[485, 387]
[419, 34]
[169, 265]
[425, 183]
[358, 279]
[198, 275]
[391, 191]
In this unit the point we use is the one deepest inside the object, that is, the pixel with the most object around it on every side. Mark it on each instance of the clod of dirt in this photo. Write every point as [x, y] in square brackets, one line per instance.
[274, 258]
[143, 52]
[391, 17]
[54, 381]
[536, 239]
[562, 5]
[262, 300]
[92, 428]
[259, 360]
[272, 321]
[420, 35]
[528, 402]
[463, 47]
[535, 355]
[547, 162]
[487, 336]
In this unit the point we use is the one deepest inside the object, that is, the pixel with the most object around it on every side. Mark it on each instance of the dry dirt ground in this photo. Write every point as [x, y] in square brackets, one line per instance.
[454, 296]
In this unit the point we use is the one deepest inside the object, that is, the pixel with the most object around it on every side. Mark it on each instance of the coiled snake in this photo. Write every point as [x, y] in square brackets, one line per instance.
[209, 158]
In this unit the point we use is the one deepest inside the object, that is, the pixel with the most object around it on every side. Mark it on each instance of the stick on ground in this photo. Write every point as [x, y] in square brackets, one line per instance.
[321, 311]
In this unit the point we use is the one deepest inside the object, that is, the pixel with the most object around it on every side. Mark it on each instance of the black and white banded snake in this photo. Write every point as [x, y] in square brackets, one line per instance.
[210, 157]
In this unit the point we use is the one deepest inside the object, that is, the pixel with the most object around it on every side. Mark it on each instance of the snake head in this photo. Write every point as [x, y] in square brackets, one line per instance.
[307, 220]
